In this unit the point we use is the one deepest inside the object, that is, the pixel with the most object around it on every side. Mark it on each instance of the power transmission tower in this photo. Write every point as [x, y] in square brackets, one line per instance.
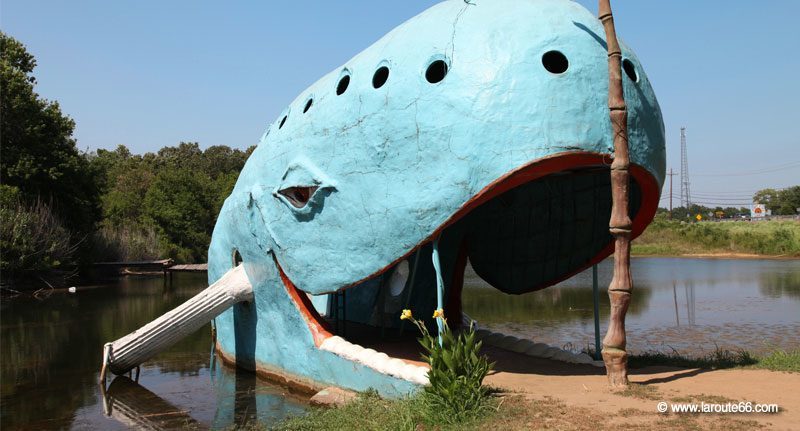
[671, 174]
[686, 196]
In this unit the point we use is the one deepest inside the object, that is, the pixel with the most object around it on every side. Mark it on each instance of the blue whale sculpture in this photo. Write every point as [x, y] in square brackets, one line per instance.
[478, 126]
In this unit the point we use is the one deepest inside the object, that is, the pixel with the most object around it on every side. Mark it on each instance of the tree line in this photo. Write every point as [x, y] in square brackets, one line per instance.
[784, 201]
[62, 209]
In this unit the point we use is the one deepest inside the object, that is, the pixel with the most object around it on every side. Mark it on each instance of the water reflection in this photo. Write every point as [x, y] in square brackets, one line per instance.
[133, 406]
[49, 361]
[691, 305]
[50, 350]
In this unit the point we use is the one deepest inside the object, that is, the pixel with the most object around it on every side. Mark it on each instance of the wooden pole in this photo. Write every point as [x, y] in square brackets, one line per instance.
[619, 291]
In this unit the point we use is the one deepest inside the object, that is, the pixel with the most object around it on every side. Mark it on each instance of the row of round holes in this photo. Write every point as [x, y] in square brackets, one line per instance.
[435, 73]
[557, 63]
[554, 61]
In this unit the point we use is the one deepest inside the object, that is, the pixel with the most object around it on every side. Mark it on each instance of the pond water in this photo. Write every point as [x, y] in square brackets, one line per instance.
[51, 351]
[690, 305]
[51, 346]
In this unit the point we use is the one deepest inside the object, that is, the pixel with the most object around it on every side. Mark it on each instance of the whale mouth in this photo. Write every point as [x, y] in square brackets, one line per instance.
[530, 229]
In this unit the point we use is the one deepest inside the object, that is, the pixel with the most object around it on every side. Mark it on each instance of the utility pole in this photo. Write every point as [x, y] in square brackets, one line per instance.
[670, 191]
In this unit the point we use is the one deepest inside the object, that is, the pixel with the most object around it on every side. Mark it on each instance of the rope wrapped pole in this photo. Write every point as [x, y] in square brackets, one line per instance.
[133, 349]
[619, 291]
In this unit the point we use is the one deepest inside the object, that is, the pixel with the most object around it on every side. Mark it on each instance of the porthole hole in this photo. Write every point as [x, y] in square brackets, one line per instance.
[237, 258]
[555, 62]
[308, 105]
[380, 77]
[436, 71]
[341, 87]
[283, 121]
[630, 70]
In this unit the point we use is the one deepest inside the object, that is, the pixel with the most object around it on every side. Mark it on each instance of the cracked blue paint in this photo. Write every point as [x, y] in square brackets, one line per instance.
[395, 163]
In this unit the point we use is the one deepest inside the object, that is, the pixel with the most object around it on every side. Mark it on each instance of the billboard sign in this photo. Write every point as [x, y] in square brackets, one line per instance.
[758, 211]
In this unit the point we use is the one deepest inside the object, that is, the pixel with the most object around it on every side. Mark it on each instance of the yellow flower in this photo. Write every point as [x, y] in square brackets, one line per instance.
[406, 315]
[438, 314]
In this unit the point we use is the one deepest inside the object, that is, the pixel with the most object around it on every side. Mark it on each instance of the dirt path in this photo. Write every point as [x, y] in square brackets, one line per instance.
[586, 387]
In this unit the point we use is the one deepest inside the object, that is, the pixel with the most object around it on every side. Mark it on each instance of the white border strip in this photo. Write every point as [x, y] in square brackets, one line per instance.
[378, 361]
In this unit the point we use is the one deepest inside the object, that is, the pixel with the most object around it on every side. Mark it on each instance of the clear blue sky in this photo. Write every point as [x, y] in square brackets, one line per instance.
[149, 74]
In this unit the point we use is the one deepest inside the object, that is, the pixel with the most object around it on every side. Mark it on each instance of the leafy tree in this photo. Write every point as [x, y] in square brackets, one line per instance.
[179, 204]
[768, 197]
[780, 202]
[40, 158]
[789, 200]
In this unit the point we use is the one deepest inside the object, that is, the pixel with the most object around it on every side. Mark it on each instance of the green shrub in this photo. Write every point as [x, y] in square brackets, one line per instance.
[32, 238]
[456, 393]
[673, 237]
[126, 243]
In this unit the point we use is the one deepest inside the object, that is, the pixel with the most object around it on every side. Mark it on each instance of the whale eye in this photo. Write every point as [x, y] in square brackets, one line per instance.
[630, 70]
[555, 62]
[341, 87]
[380, 77]
[298, 196]
[436, 71]
[303, 188]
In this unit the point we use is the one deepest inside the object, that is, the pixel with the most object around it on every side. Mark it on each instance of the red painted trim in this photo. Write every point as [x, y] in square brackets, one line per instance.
[319, 328]
[537, 169]
[534, 170]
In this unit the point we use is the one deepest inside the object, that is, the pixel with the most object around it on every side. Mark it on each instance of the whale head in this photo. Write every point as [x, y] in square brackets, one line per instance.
[482, 124]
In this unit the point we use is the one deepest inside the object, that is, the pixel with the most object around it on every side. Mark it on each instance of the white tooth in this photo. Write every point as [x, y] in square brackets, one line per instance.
[333, 344]
[507, 341]
[563, 355]
[395, 367]
[380, 362]
[493, 338]
[531, 348]
[367, 356]
[421, 376]
[349, 350]
[482, 333]
[356, 349]
[551, 352]
[520, 345]
[408, 371]
[537, 349]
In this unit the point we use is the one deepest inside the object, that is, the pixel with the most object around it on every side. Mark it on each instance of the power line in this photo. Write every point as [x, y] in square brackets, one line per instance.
[767, 170]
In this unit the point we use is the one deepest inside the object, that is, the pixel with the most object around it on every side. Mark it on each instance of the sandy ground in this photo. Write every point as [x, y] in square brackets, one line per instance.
[586, 387]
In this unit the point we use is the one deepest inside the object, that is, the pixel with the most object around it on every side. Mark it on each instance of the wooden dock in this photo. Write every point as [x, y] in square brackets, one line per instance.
[189, 267]
[165, 266]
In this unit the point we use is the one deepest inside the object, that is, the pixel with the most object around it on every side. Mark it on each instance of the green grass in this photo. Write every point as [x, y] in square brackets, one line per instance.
[777, 360]
[672, 237]
[781, 360]
[718, 359]
[371, 412]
